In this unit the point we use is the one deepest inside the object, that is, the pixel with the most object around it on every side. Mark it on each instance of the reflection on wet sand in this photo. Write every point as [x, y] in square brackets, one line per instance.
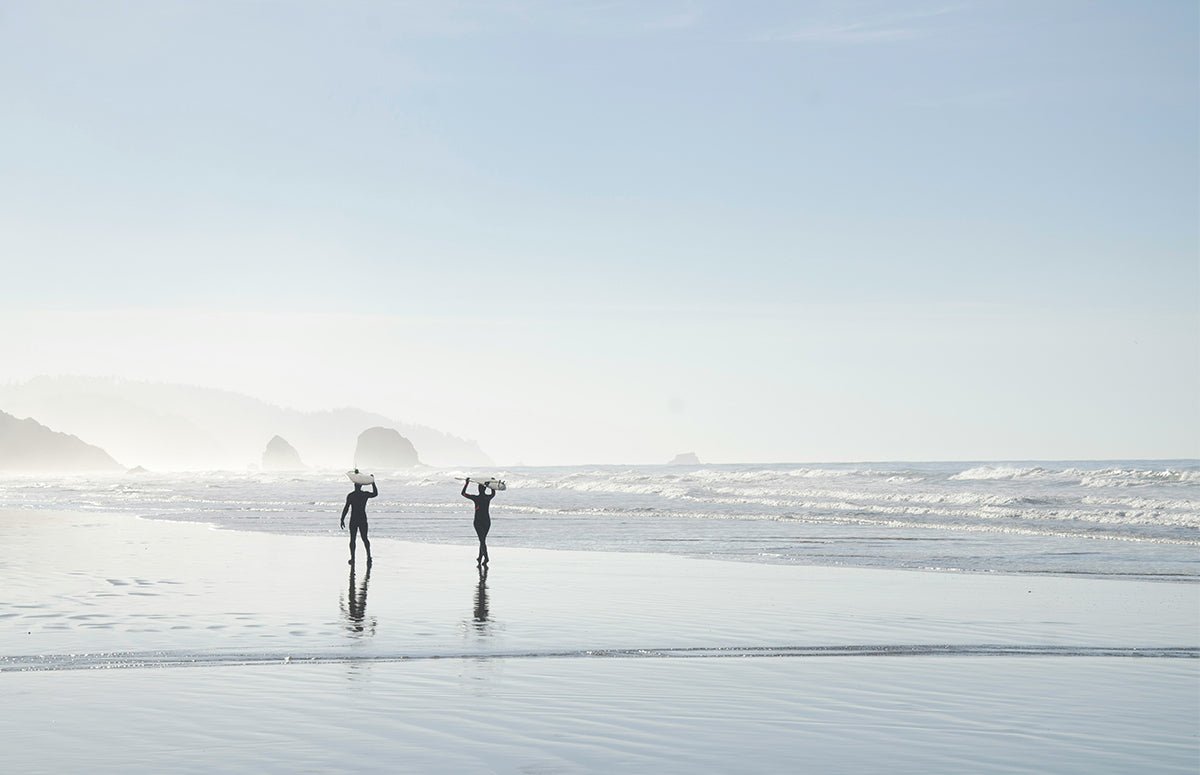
[354, 606]
[481, 602]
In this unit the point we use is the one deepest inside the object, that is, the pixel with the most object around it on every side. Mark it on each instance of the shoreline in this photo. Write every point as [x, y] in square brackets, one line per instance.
[184, 569]
[1124, 522]
[1165, 578]
[179, 647]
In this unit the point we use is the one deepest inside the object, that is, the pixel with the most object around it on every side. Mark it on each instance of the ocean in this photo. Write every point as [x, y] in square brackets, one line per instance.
[1127, 518]
[1056, 632]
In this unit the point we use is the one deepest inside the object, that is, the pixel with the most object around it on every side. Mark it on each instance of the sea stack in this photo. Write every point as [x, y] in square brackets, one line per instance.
[281, 456]
[384, 448]
[685, 459]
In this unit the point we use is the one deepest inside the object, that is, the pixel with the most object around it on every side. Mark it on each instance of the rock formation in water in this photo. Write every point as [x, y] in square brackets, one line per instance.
[281, 456]
[164, 426]
[685, 459]
[384, 448]
[27, 445]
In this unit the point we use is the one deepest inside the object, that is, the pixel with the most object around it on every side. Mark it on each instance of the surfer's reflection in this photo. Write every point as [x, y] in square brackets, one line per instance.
[354, 606]
[481, 602]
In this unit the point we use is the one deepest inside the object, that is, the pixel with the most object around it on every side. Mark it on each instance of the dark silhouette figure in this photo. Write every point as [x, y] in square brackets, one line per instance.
[355, 607]
[481, 601]
[483, 518]
[356, 504]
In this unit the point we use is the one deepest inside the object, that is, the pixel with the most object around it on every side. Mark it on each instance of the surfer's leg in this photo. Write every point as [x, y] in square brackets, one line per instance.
[353, 535]
[481, 531]
[363, 529]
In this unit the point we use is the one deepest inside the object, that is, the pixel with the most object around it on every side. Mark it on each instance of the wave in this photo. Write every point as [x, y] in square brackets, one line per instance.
[998, 472]
[1102, 477]
[1141, 505]
[1131, 477]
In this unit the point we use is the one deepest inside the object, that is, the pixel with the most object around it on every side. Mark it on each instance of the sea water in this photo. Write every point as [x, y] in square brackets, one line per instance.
[1131, 519]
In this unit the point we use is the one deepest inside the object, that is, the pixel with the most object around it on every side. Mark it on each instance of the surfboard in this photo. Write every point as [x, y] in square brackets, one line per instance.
[358, 478]
[495, 484]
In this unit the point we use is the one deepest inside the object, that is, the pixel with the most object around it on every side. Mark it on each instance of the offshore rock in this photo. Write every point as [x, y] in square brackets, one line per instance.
[384, 448]
[281, 456]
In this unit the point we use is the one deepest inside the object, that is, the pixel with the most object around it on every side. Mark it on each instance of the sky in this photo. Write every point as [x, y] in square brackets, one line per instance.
[610, 232]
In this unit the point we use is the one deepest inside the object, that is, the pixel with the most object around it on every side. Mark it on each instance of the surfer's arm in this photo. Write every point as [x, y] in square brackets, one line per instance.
[464, 490]
[345, 509]
[374, 489]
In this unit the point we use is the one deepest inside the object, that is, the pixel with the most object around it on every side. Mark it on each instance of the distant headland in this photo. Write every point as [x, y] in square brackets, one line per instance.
[170, 426]
[28, 446]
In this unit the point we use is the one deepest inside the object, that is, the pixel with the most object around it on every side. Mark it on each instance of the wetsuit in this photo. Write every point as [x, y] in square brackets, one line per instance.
[356, 502]
[483, 519]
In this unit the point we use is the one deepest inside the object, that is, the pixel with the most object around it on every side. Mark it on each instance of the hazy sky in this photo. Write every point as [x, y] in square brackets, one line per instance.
[614, 231]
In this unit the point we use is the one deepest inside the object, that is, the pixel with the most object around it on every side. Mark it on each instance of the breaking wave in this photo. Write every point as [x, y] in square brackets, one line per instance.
[1111, 518]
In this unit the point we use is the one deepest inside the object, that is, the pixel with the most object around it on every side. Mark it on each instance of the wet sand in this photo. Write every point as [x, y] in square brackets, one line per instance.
[128, 644]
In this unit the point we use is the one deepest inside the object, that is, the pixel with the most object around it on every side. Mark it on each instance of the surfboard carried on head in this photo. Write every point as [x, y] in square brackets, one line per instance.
[359, 478]
[495, 484]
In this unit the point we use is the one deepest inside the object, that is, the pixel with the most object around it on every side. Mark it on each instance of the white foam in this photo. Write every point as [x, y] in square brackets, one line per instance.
[652, 508]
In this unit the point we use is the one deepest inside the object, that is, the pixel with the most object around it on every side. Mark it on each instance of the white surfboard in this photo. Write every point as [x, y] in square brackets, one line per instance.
[358, 478]
[495, 484]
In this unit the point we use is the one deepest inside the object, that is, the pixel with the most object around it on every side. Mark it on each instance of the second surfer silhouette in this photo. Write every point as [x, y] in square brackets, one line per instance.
[483, 518]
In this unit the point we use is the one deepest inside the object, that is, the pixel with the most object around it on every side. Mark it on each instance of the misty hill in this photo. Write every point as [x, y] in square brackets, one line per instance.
[182, 427]
[27, 445]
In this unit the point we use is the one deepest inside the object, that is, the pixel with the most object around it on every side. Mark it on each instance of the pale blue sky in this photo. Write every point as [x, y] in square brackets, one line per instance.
[762, 231]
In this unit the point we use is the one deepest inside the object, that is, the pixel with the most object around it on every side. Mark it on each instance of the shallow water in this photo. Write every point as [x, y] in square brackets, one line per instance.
[103, 591]
[129, 644]
[838, 715]
[1134, 519]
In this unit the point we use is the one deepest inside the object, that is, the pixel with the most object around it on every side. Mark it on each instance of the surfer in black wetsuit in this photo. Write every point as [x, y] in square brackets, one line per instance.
[483, 518]
[356, 504]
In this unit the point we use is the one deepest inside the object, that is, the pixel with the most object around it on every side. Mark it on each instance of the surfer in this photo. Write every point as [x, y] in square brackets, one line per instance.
[356, 504]
[483, 519]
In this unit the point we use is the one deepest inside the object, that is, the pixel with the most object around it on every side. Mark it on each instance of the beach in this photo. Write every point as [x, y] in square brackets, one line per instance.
[833, 366]
[149, 645]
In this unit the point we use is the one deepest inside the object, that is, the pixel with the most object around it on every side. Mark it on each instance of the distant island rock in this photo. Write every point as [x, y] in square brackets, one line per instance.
[137, 470]
[27, 445]
[181, 427]
[281, 456]
[685, 459]
[384, 448]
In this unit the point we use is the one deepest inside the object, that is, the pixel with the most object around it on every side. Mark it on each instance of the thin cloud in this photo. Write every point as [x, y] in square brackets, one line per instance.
[882, 29]
[845, 34]
[684, 19]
